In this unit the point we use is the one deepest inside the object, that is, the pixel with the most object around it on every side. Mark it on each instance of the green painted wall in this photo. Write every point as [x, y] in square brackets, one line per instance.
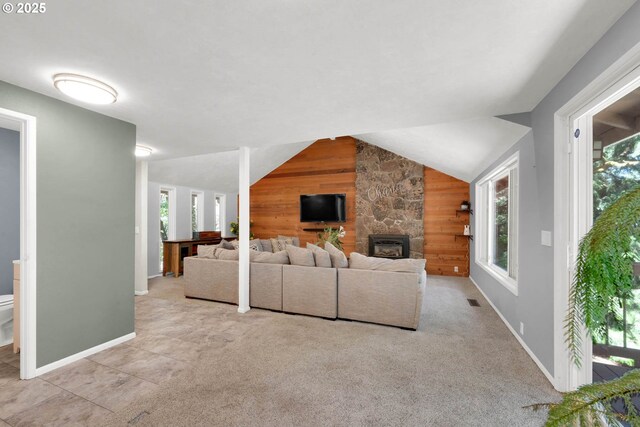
[85, 220]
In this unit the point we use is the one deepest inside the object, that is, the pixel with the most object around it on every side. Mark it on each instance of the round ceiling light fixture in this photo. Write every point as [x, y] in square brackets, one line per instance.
[142, 151]
[85, 88]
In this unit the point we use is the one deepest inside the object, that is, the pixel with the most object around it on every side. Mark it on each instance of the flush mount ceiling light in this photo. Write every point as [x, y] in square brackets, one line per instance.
[142, 151]
[85, 88]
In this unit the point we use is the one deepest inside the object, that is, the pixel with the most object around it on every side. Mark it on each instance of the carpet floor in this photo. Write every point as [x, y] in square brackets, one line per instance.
[461, 368]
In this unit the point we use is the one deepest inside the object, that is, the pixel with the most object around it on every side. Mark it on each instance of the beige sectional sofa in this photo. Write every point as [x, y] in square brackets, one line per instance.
[388, 298]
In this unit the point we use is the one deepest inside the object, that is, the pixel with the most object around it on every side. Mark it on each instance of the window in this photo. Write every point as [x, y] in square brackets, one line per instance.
[197, 211]
[164, 221]
[497, 223]
[219, 212]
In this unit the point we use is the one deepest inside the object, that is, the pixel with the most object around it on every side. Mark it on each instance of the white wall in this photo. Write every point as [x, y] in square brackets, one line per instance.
[183, 217]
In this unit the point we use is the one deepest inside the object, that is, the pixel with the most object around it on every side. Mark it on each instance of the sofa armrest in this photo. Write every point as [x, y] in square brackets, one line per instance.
[211, 279]
[384, 297]
[310, 290]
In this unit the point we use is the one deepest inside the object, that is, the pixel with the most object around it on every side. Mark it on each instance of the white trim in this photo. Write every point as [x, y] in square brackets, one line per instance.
[85, 353]
[141, 293]
[223, 211]
[154, 276]
[609, 86]
[518, 337]
[28, 240]
[510, 167]
[244, 181]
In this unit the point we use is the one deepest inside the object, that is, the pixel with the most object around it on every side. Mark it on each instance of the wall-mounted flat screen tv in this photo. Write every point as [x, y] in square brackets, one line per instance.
[322, 208]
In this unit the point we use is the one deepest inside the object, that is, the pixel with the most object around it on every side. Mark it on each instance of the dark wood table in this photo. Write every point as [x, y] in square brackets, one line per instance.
[174, 252]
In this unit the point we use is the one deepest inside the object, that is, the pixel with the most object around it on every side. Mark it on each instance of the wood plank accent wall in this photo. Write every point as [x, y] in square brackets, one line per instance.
[443, 250]
[324, 167]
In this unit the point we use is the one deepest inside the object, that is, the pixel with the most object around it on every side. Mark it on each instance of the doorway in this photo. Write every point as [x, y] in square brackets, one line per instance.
[25, 126]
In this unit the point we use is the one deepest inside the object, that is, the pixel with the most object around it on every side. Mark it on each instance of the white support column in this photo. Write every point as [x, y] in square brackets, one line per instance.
[141, 244]
[243, 223]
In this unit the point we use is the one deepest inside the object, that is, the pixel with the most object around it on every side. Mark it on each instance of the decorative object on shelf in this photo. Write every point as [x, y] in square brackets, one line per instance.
[604, 278]
[234, 227]
[467, 230]
[465, 205]
[331, 235]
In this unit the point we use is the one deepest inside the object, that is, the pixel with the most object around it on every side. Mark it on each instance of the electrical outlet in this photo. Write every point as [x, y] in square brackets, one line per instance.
[521, 328]
[455, 269]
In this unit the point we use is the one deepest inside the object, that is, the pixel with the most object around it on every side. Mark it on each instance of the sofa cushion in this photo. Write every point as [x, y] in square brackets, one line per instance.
[266, 245]
[254, 245]
[320, 256]
[300, 256]
[278, 245]
[227, 254]
[404, 265]
[295, 240]
[338, 258]
[207, 251]
[269, 257]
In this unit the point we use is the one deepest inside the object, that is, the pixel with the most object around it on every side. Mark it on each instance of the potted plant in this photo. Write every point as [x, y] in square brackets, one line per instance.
[604, 279]
[234, 227]
[332, 236]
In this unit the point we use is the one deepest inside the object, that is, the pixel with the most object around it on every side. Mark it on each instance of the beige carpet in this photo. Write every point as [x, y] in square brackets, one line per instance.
[461, 368]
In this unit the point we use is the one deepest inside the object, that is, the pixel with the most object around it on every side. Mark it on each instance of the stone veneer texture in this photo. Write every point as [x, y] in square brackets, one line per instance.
[389, 197]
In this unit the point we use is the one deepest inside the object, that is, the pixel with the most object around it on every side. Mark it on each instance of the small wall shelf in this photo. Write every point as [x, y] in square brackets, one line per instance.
[459, 211]
[468, 236]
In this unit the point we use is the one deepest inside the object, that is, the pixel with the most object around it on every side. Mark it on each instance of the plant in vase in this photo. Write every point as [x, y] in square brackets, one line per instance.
[604, 279]
[332, 235]
[234, 227]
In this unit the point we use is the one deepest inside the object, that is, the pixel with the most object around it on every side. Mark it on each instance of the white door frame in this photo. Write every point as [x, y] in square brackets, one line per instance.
[28, 241]
[573, 198]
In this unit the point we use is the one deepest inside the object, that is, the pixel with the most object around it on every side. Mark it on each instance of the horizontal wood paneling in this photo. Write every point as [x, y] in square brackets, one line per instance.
[443, 250]
[324, 167]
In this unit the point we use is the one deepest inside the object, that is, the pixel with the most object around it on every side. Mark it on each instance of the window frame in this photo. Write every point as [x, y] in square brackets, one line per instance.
[223, 206]
[485, 222]
[200, 213]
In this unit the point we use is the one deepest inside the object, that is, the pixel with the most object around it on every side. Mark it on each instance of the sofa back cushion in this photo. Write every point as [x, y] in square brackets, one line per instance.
[338, 258]
[300, 256]
[227, 254]
[225, 244]
[320, 256]
[269, 257]
[404, 265]
[293, 240]
[207, 251]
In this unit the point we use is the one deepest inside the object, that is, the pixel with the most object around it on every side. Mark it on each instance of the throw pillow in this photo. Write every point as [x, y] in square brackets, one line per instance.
[404, 265]
[225, 244]
[321, 257]
[278, 245]
[266, 245]
[338, 258]
[300, 256]
[227, 254]
[207, 251]
[254, 245]
[270, 258]
[295, 240]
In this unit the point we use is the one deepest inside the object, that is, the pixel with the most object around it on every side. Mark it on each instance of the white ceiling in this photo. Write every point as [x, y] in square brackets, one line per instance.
[199, 77]
[219, 171]
[461, 149]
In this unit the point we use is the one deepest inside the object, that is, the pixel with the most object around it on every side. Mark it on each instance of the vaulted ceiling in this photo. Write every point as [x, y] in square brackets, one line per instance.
[201, 77]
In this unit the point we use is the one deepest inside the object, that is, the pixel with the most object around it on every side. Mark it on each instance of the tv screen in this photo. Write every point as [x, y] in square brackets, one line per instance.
[322, 208]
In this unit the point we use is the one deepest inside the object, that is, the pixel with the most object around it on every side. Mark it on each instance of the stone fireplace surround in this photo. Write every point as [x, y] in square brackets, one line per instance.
[389, 198]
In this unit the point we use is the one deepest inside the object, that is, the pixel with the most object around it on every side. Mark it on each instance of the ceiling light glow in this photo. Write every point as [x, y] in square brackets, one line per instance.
[85, 88]
[142, 151]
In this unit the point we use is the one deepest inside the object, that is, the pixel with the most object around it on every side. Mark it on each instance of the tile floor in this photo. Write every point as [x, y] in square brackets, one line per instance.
[173, 333]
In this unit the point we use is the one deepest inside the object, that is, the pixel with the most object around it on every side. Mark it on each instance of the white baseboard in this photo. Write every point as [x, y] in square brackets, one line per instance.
[153, 277]
[518, 337]
[141, 293]
[243, 310]
[88, 352]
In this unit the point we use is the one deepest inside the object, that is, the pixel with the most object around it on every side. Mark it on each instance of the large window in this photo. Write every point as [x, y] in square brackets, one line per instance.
[164, 221]
[197, 211]
[219, 212]
[497, 223]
